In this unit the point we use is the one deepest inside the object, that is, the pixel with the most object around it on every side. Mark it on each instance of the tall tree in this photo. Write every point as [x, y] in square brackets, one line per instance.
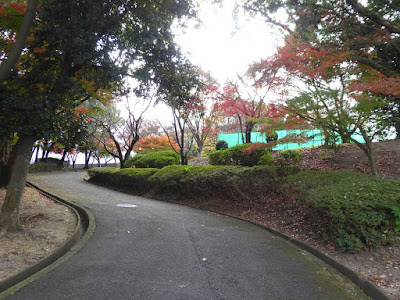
[203, 115]
[325, 101]
[368, 31]
[179, 134]
[123, 132]
[69, 59]
[11, 13]
[247, 99]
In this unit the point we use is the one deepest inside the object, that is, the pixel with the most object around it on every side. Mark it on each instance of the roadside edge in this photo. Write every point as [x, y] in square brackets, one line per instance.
[84, 230]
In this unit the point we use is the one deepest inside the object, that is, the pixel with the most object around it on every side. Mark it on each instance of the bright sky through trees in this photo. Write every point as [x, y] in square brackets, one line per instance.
[225, 47]
[222, 45]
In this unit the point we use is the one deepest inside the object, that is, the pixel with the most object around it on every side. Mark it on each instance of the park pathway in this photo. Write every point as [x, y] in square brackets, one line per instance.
[158, 250]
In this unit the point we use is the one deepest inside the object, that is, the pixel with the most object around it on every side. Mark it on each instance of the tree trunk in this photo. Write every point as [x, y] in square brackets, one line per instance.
[249, 129]
[9, 216]
[61, 162]
[37, 154]
[6, 162]
[369, 151]
[22, 35]
[184, 159]
[200, 150]
[397, 127]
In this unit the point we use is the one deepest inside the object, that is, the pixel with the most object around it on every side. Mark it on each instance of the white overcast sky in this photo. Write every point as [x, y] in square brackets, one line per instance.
[217, 46]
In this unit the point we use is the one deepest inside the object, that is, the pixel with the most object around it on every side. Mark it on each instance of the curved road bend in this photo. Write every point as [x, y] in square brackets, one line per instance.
[165, 251]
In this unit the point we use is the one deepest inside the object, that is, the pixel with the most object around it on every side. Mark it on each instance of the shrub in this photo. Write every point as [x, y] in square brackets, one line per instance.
[236, 156]
[44, 167]
[287, 158]
[266, 160]
[221, 145]
[158, 160]
[357, 209]
[129, 179]
[217, 181]
[215, 158]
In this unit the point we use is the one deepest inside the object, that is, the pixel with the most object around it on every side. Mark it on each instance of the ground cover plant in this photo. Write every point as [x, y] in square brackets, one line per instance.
[355, 210]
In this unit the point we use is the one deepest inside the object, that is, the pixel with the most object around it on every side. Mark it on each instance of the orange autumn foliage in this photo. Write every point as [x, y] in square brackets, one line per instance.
[154, 143]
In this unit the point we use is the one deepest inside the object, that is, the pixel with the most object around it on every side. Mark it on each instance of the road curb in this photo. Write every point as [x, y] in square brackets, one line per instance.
[369, 288]
[83, 231]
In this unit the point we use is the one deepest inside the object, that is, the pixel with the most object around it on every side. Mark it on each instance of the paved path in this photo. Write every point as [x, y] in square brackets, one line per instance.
[164, 251]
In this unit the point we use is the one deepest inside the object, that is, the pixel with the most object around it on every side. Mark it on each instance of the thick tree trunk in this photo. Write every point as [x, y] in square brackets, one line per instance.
[249, 129]
[6, 162]
[9, 215]
[184, 157]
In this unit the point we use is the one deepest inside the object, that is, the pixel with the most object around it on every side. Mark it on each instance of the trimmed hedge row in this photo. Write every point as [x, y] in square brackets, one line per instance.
[356, 210]
[44, 167]
[158, 160]
[353, 210]
[194, 181]
[129, 179]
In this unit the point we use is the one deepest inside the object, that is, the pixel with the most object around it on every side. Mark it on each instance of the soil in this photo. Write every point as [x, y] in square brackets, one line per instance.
[46, 226]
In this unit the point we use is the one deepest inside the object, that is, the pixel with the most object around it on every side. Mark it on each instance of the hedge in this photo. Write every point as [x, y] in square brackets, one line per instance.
[158, 160]
[133, 180]
[235, 156]
[352, 210]
[356, 210]
[194, 181]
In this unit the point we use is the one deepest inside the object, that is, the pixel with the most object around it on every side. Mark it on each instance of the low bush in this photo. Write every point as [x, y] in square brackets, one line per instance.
[288, 158]
[129, 179]
[236, 156]
[266, 160]
[221, 145]
[356, 210]
[158, 160]
[234, 182]
[218, 181]
[44, 167]
[215, 158]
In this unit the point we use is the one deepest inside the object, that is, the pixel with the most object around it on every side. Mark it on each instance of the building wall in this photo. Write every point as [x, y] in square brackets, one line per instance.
[317, 139]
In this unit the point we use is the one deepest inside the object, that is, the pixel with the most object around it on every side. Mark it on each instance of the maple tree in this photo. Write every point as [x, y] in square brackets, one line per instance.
[368, 32]
[123, 132]
[246, 99]
[154, 143]
[326, 99]
[203, 116]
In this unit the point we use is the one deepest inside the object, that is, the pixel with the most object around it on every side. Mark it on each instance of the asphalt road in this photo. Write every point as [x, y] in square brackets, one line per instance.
[158, 250]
